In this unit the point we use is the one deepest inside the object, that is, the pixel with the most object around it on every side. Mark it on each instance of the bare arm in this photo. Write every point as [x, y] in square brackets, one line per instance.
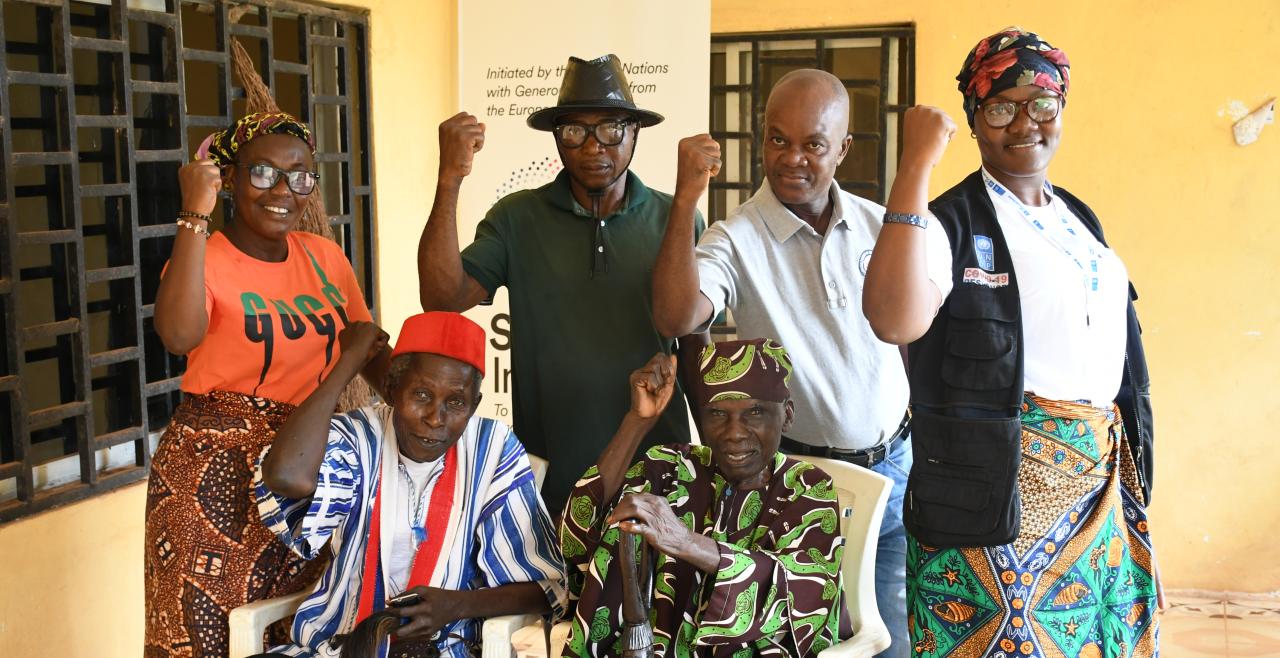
[899, 300]
[181, 319]
[678, 305]
[651, 389]
[291, 466]
[442, 283]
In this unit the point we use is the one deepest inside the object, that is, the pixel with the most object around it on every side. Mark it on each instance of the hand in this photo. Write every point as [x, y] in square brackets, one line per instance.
[697, 162]
[461, 135]
[362, 341]
[651, 517]
[438, 607]
[926, 131]
[652, 386]
[199, 181]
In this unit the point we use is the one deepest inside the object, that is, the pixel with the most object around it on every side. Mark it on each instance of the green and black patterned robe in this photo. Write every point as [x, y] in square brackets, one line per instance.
[777, 591]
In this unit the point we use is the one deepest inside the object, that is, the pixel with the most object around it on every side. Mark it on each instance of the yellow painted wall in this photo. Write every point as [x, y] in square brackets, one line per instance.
[1193, 215]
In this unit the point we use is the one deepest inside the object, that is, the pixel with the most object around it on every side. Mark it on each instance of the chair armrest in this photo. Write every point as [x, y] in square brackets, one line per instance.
[864, 644]
[249, 621]
[497, 631]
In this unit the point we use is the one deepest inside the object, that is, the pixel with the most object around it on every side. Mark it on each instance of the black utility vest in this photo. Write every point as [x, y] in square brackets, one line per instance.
[970, 363]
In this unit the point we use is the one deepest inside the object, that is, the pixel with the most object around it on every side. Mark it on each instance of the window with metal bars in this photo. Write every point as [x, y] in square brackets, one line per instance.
[100, 103]
[877, 66]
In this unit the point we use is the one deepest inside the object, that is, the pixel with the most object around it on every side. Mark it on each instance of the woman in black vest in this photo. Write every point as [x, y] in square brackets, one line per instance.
[1031, 417]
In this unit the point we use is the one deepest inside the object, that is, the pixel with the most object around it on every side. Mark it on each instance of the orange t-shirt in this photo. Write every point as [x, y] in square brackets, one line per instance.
[273, 327]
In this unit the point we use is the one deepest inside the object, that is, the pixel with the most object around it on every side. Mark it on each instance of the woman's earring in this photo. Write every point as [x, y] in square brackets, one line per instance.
[973, 135]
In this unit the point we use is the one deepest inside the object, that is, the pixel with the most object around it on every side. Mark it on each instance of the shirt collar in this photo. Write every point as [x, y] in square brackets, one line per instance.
[783, 223]
[561, 196]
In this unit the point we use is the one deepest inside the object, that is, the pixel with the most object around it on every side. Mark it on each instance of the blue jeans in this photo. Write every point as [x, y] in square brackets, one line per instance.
[891, 554]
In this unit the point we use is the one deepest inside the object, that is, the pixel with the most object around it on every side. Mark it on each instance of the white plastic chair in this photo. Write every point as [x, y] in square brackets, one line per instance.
[862, 495]
[248, 622]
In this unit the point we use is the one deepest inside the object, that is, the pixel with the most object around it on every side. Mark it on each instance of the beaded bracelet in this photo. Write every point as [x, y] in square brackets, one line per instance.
[196, 228]
[905, 218]
[194, 215]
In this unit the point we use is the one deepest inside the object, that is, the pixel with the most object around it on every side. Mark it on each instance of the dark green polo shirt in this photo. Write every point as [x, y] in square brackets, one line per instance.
[575, 338]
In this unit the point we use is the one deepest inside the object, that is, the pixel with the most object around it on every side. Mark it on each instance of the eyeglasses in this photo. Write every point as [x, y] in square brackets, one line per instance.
[1041, 109]
[607, 133]
[265, 177]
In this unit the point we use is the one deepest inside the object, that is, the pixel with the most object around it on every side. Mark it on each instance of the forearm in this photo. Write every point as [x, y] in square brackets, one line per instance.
[617, 456]
[291, 466]
[375, 373]
[675, 273]
[899, 300]
[441, 279]
[180, 316]
[702, 552]
[516, 598]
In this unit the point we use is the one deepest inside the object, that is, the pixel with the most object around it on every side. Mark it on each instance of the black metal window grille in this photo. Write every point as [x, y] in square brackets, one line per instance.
[877, 66]
[100, 103]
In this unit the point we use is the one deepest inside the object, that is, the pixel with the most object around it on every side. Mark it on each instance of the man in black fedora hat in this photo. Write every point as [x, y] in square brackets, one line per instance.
[575, 256]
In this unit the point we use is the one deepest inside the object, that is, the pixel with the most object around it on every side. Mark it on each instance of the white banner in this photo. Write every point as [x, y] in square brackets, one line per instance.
[511, 58]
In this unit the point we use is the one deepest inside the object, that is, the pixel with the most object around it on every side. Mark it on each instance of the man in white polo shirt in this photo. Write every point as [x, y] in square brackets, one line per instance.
[790, 264]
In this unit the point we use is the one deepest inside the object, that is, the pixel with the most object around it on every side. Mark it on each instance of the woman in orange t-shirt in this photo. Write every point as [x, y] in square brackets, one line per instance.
[257, 309]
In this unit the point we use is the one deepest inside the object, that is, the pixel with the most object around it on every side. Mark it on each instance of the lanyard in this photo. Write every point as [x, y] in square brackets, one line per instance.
[1088, 267]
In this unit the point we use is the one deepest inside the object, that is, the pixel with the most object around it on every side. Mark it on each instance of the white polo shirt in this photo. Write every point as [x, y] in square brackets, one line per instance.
[783, 280]
[1074, 336]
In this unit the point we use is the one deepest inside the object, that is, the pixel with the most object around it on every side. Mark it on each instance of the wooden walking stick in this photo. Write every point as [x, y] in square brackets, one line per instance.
[637, 594]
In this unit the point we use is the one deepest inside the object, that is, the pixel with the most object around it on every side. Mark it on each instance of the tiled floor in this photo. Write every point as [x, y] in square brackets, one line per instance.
[1199, 626]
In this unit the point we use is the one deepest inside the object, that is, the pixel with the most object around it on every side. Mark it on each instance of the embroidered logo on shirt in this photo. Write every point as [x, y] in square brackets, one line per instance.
[863, 260]
[986, 254]
[975, 275]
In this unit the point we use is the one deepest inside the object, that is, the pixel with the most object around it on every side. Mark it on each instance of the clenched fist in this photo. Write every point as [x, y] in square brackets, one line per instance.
[925, 133]
[199, 181]
[698, 161]
[461, 135]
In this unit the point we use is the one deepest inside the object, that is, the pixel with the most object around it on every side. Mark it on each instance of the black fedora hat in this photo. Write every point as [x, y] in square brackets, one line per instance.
[599, 84]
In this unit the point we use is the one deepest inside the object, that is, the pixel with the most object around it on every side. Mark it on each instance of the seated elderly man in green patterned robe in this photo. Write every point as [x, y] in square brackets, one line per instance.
[747, 539]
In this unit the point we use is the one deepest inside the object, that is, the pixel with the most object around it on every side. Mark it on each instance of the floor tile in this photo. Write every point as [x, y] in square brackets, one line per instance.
[1192, 637]
[1253, 609]
[1194, 606]
[1251, 638]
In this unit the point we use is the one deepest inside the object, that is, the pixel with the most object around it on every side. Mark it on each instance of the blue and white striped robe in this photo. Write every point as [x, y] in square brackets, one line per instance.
[502, 531]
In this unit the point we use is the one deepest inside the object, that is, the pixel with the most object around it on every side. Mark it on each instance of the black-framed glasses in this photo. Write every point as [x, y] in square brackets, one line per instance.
[1041, 109]
[265, 177]
[607, 133]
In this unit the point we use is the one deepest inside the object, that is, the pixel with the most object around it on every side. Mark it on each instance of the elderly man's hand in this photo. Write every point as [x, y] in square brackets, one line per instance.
[362, 341]
[651, 517]
[652, 385]
[926, 131]
[697, 163]
[461, 135]
[436, 608]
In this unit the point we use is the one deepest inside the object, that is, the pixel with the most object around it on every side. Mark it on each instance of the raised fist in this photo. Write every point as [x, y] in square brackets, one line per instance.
[926, 131]
[698, 161]
[461, 135]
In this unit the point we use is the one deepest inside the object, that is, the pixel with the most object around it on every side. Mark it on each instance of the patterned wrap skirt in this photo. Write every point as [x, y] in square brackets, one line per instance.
[1080, 579]
[206, 550]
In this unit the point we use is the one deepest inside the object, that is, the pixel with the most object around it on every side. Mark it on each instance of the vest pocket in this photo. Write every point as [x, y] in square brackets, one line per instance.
[981, 359]
[963, 487]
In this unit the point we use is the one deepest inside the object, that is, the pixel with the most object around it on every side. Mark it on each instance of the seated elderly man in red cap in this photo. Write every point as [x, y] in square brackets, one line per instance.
[749, 539]
[421, 503]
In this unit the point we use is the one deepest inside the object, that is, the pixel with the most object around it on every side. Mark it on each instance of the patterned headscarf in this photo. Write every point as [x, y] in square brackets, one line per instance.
[1009, 59]
[222, 145]
[744, 369]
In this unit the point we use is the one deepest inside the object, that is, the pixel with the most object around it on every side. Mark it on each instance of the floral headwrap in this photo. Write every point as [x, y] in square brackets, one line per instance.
[222, 145]
[1009, 59]
[743, 369]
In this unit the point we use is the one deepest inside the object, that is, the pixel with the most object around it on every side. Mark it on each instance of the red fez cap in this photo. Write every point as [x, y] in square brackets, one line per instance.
[443, 333]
